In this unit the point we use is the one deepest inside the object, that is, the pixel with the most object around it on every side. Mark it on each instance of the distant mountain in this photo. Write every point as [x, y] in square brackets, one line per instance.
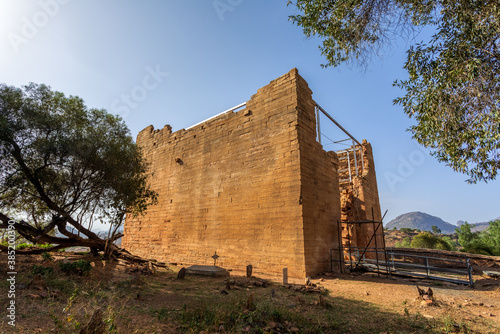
[478, 227]
[101, 233]
[421, 221]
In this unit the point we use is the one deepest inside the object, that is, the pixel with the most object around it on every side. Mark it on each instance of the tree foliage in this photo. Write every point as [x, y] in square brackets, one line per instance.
[486, 242]
[63, 163]
[452, 90]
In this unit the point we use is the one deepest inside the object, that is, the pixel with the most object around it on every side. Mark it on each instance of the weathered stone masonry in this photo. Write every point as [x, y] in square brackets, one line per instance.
[253, 185]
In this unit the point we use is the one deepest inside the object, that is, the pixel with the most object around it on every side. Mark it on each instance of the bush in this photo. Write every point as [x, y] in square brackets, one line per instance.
[452, 244]
[478, 246]
[79, 267]
[405, 243]
[41, 270]
[428, 240]
[47, 257]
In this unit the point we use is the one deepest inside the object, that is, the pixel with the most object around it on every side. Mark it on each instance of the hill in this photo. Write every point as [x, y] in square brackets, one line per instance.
[421, 221]
[478, 227]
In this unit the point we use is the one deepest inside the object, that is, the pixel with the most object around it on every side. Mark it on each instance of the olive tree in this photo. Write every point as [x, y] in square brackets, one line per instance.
[66, 166]
[452, 89]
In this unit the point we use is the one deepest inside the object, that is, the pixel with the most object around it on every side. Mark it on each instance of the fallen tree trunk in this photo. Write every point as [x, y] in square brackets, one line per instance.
[40, 236]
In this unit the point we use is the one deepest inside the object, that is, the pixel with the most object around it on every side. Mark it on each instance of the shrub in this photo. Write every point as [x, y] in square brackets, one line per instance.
[405, 243]
[478, 246]
[41, 270]
[428, 240]
[47, 257]
[79, 267]
[452, 244]
[406, 229]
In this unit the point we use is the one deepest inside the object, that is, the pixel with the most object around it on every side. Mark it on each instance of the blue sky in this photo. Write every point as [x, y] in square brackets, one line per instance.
[180, 62]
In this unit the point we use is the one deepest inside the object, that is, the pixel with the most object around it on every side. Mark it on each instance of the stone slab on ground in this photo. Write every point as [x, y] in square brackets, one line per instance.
[212, 271]
[492, 273]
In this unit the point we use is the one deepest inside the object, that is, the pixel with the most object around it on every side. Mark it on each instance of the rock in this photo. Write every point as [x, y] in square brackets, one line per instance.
[493, 274]
[258, 283]
[425, 303]
[425, 294]
[96, 325]
[426, 316]
[182, 273]
[272, 324]
[321, 301]
[224, 292]
[294, 330]
[250, 303]
[249, 271]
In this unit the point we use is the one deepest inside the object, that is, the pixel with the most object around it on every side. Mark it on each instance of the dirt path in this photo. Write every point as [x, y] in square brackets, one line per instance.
[400, 294]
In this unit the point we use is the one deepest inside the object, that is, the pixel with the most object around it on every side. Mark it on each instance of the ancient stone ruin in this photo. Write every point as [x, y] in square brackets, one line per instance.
[256, 186]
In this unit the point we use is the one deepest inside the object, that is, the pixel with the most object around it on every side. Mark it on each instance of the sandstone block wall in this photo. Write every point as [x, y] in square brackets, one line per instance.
[242, 184]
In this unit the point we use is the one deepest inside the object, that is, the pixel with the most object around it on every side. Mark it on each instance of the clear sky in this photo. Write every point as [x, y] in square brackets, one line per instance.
[179, 62]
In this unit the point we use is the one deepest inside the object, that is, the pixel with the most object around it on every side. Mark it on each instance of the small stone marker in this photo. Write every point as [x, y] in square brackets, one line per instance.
[285, 276]
[182, 273]
[249, 271]
[250, 303]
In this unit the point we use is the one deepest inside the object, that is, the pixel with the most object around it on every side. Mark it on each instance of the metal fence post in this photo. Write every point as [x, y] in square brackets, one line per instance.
[469, 271]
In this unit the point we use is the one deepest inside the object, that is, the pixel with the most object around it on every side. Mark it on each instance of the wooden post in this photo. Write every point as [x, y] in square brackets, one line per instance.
[285, 276]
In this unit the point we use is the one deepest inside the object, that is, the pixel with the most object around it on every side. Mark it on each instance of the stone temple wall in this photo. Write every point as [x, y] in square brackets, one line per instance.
[252, 185]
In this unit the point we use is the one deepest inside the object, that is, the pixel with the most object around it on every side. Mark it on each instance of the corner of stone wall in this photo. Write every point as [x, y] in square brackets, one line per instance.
[320, 187]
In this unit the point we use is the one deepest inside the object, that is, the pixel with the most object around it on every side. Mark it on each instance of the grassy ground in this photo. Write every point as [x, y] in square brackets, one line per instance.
[54, 301]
